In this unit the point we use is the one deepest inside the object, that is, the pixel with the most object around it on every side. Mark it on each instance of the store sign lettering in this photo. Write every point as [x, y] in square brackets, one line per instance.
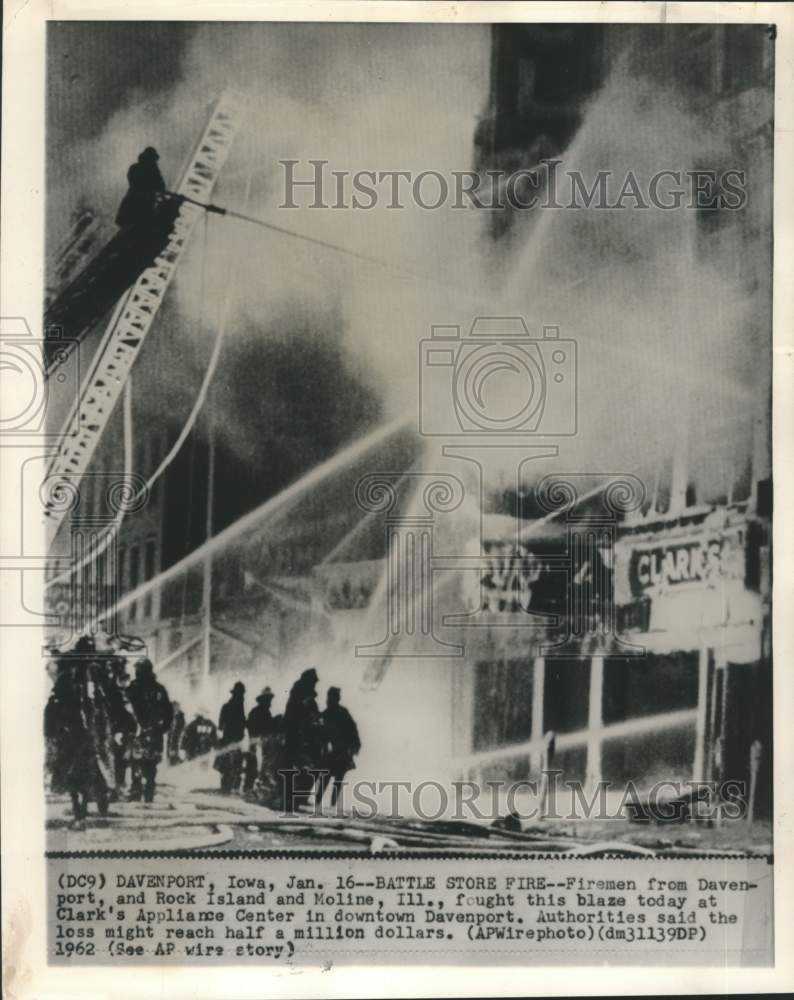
[509, 578]
[517, 579]
[695, 561]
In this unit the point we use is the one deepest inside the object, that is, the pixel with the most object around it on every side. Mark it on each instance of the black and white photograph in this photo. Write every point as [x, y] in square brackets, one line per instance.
[407, 391]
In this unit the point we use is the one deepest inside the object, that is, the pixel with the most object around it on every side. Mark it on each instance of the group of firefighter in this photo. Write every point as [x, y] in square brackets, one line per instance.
[291, 757]
[99, 723]
[101, 726]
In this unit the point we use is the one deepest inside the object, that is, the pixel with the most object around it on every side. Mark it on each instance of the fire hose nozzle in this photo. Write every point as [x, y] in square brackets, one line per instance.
[200, 204]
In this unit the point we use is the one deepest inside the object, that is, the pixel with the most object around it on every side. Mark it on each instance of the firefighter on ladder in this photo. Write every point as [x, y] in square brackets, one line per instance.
[146, 187]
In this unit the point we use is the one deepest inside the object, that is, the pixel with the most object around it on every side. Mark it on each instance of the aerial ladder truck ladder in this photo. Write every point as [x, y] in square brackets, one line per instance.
[136, 310]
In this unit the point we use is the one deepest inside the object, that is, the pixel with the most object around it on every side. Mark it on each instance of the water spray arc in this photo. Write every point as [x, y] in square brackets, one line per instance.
[395, 269]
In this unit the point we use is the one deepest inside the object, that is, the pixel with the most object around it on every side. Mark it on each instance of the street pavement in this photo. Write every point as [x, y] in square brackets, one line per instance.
[182, 819]
[195, 816]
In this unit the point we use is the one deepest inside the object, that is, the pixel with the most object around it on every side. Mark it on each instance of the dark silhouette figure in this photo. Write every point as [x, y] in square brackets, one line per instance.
[302, 749]
[342, 743]
[175, 734]
[260, 729]
[51, 715]
[146, 183]
[232, 732]
[199, 738]
[152, 708]
[122, 751]
[88, 709]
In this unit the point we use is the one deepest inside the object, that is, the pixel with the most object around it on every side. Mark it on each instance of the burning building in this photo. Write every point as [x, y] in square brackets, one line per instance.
[638, 637]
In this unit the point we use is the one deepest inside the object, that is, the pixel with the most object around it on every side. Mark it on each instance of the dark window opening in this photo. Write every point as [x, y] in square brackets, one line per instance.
[149, 570]
[572, 763]
[666, 755]
[122, 569]
[566, 694]
[502, 703]
[134, 577]
[649, 685]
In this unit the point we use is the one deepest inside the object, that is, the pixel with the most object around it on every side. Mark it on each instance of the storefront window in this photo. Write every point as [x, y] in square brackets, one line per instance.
[572, 763]
[660, 755]
[506, 769]
[649, 685]
[502, 703]
[566, 694]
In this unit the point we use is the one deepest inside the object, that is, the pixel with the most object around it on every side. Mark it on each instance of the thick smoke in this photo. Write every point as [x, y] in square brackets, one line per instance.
[670, 321]
[362, 97]
[670, 309]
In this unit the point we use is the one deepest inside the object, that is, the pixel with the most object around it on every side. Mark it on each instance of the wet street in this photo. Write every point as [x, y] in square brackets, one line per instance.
[195, 816]
[183, 819]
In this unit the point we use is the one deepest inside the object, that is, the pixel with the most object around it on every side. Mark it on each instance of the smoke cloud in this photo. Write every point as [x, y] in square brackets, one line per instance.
[670, 317]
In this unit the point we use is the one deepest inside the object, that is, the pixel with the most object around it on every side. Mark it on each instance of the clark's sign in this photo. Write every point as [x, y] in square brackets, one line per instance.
[699, 560]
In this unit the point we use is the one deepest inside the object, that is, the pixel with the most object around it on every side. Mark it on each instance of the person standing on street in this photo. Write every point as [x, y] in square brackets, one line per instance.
[122, 751]
[342, 743]
[260, 727]
[152, 708]
[231, 725]
[302, 749]
[175, 733]
[88, 709]
[199, 737]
